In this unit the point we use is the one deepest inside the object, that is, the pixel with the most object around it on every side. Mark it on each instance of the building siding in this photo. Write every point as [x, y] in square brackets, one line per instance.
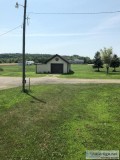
[46, 68]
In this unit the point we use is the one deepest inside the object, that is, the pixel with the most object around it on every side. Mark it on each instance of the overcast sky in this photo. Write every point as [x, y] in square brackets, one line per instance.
[61, 34]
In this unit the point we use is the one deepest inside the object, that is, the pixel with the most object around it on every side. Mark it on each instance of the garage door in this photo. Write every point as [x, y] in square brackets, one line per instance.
[56, 68]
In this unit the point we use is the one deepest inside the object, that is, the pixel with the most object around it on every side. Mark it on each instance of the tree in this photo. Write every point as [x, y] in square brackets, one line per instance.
[107, 57]
[115, 62]
[98, 61]
[87, 60]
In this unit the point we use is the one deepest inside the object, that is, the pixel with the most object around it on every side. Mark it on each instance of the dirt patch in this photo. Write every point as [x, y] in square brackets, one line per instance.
[8, 64]
[10, 82]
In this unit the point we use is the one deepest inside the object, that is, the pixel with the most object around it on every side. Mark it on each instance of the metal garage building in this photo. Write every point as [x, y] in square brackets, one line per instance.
[55, 65]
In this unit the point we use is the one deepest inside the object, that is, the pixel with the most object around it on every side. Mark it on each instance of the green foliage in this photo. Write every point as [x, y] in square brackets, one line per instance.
[59, 122]
[107, 57]
[15, 58]
[87, 60]
[1, 69]
[98, 61]
[37, 58]
[115, 62]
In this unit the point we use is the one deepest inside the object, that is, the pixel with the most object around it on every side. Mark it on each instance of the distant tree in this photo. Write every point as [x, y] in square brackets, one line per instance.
[115, 62]
[98, 63]
[37, 58]
[87, 60]
[107, 57]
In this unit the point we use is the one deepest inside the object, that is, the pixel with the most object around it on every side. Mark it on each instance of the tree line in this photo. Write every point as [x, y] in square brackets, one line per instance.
[17, 57]
[106, 57]
[38, 58]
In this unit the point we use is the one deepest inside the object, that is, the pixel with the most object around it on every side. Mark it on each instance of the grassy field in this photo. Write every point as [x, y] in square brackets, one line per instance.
[87, 72]
[16, 71]
[59, 122]
[80, 71]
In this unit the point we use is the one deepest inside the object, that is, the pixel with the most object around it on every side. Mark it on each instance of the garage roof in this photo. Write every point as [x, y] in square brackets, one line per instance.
[59, 57]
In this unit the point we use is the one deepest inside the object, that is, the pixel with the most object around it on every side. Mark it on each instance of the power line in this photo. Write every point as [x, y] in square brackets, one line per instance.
[60, 13]
[73, 13]
[10, 30]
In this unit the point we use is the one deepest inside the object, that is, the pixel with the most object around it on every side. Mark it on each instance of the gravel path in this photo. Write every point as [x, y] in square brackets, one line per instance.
[10, 82]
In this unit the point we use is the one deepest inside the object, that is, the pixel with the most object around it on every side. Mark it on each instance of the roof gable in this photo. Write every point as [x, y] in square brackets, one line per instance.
[57, 56]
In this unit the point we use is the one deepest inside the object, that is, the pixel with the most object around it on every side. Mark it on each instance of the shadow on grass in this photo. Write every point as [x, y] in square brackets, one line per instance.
[114, 73]
[35, 98]
[70, 73]
[110, 72]
[99, 71]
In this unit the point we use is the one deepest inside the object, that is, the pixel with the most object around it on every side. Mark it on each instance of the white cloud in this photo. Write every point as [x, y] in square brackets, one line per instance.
[55, 35]
[109, 23]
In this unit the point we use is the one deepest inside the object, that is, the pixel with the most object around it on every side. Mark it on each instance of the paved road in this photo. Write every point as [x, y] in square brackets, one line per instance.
[10, 82]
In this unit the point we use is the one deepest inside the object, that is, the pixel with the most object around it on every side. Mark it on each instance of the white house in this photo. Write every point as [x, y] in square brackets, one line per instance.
[29, 62]
[55, 64]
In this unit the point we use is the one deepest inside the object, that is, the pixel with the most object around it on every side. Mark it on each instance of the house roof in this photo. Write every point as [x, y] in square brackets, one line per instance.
[59, 57]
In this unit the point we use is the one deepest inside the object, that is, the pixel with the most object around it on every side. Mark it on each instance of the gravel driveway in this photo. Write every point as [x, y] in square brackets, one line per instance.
[10, 82]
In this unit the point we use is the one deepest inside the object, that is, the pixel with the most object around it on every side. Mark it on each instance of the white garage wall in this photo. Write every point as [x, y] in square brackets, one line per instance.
[46, 68]
[43, 68]
[69, 67]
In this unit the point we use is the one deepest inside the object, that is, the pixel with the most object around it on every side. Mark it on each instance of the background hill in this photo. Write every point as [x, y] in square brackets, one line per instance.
[37, 58]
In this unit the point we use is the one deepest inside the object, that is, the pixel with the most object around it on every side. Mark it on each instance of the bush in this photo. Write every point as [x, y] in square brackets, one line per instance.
[1, 69]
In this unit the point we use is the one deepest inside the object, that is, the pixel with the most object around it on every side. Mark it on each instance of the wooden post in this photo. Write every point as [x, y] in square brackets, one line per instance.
[29, 84]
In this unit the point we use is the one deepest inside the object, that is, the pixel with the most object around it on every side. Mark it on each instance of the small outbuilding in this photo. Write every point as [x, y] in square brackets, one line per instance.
[29, 62]
[54, 65]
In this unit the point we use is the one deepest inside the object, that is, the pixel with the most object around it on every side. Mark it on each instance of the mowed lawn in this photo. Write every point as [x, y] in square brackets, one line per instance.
[80, 71]
[87, 72]
[16, 71]
[59, 122]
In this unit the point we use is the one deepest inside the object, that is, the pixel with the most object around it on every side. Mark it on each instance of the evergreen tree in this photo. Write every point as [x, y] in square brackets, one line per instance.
[97, 61]
[115, 62]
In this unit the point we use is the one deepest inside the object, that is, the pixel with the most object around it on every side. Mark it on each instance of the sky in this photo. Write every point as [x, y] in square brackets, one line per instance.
[80, 34]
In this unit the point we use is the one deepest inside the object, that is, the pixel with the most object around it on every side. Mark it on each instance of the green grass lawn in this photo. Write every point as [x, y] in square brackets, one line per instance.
[59, 122]
[87, 72]
[16, 71]
[80, 71]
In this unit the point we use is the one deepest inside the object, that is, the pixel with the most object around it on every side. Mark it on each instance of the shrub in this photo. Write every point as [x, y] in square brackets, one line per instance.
[1, 69]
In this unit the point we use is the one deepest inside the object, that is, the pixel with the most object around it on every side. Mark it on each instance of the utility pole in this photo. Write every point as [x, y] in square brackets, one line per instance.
[23, 45]
[23, 51]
